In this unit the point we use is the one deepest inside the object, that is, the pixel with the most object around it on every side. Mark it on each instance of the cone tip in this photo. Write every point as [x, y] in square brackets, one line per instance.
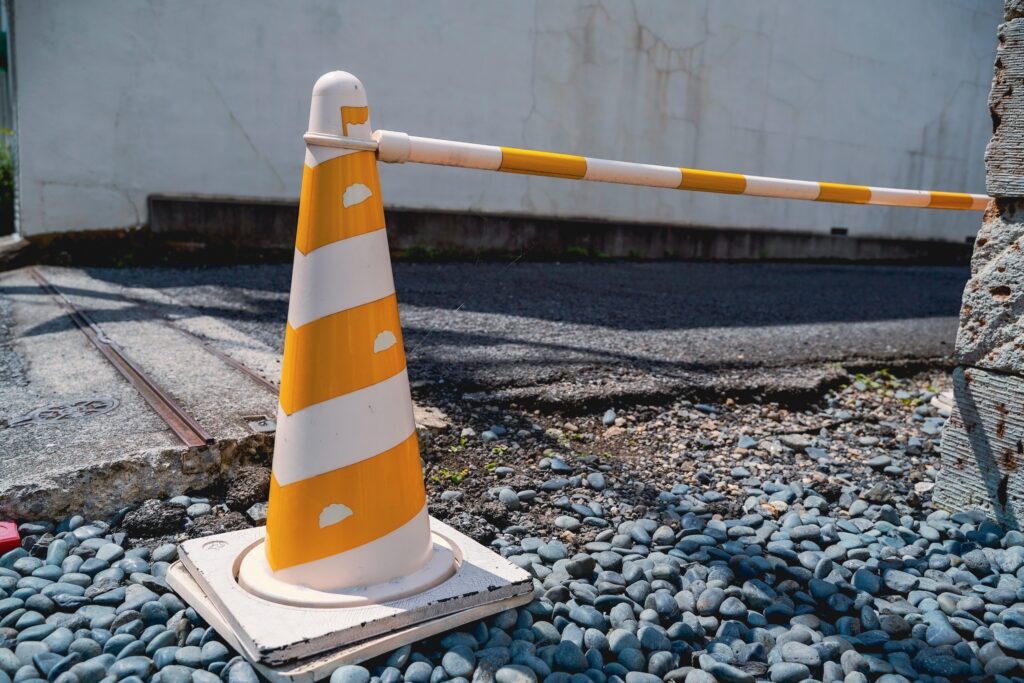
[340, 83]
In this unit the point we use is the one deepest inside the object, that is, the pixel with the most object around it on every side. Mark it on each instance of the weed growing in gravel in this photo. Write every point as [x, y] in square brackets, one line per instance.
[450, 477]
[881, 379]
[876, 381]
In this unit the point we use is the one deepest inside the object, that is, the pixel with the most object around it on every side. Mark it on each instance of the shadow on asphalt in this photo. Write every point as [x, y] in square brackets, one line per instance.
[578, 332]
[620, 295]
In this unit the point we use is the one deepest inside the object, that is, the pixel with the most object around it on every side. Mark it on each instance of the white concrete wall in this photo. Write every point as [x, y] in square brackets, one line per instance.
[120, 99]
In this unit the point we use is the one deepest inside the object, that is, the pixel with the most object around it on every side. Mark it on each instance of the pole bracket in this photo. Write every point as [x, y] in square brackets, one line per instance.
[340, 142]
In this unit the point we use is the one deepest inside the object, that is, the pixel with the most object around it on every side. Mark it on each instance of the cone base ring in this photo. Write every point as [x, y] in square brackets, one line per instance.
[256, 576]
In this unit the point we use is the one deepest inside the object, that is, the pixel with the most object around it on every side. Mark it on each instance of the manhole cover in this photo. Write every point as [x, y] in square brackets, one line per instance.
[58, 412]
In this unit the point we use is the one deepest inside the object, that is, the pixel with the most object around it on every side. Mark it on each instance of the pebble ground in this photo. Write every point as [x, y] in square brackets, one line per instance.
[734, 542]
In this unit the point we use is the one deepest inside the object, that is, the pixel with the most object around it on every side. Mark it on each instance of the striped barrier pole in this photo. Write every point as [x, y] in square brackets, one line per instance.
[395, 147]
[347, 500]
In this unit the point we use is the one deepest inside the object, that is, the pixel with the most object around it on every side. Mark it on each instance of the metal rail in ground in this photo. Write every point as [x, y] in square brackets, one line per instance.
[262, 381]
[208, 345]
[181, 423]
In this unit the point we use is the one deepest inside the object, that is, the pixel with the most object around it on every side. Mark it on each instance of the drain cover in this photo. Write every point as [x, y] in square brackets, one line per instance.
[261, 424]
[57, 412]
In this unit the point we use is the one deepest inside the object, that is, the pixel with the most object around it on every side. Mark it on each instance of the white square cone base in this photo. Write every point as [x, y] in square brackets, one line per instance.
[300, 644]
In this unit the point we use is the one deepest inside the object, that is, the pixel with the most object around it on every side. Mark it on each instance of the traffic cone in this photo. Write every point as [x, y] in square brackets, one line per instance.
[347, 502]
[350, 565]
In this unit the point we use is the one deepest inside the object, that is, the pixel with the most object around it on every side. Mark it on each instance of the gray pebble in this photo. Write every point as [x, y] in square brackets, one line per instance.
[350, 673]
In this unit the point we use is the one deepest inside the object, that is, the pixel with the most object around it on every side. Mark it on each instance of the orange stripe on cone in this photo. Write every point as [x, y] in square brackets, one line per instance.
[380, 494]
[335, 355]
[323, 217]
[353, 115]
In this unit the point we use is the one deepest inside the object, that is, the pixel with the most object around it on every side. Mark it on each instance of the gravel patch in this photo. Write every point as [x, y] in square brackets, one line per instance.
[686, 542]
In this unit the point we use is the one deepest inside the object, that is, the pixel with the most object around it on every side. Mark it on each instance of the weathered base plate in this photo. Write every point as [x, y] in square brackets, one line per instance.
[301, 644]
[321, 666]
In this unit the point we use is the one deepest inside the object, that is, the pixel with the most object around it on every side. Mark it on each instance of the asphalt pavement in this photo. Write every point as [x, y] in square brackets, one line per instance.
[584, 335]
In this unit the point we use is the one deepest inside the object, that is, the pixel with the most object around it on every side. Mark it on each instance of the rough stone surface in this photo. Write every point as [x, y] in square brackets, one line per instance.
[154, 518]
[1004, 156]
[249, 486]
[981, 446]
[992, 313]
[218, 524]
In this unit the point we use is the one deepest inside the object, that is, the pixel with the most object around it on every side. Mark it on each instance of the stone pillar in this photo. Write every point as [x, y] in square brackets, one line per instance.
[983, 441]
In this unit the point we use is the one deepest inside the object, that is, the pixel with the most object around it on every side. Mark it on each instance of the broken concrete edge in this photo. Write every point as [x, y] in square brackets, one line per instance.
[104, 488]
[194, 231]
[430, 418]
[807, 385]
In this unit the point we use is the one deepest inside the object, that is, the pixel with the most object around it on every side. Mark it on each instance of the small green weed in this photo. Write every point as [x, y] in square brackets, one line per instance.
[447, 476]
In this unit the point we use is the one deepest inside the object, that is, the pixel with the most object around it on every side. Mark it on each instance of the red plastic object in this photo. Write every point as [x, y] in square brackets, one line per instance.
[9, 538]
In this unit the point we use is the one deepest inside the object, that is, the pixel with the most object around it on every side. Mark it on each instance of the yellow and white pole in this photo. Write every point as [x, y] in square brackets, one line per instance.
[395, 147]
[347, 521]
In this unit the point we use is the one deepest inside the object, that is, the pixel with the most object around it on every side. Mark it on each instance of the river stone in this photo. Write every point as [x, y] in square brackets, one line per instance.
[800, 653]
[350, 673]
[459, 661]
[788, 672]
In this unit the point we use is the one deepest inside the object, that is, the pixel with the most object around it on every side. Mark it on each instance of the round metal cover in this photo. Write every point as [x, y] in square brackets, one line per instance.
[72, 410]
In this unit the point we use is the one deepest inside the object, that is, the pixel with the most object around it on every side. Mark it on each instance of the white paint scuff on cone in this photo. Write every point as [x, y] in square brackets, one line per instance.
[384, 341]
[355, 194]
[334, 513]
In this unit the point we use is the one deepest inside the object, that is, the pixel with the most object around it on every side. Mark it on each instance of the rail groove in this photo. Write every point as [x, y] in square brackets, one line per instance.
[262, 381]
[170, 411]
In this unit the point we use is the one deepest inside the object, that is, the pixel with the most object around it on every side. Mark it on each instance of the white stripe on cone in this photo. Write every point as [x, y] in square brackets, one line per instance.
[339, 276]
[390, 558]
[343, 430]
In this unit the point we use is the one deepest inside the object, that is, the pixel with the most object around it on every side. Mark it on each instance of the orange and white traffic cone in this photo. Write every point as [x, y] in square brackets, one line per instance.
[347, 503]
[350, 564]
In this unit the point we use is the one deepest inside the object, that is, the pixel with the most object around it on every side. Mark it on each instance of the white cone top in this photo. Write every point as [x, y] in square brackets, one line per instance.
[333, 92]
